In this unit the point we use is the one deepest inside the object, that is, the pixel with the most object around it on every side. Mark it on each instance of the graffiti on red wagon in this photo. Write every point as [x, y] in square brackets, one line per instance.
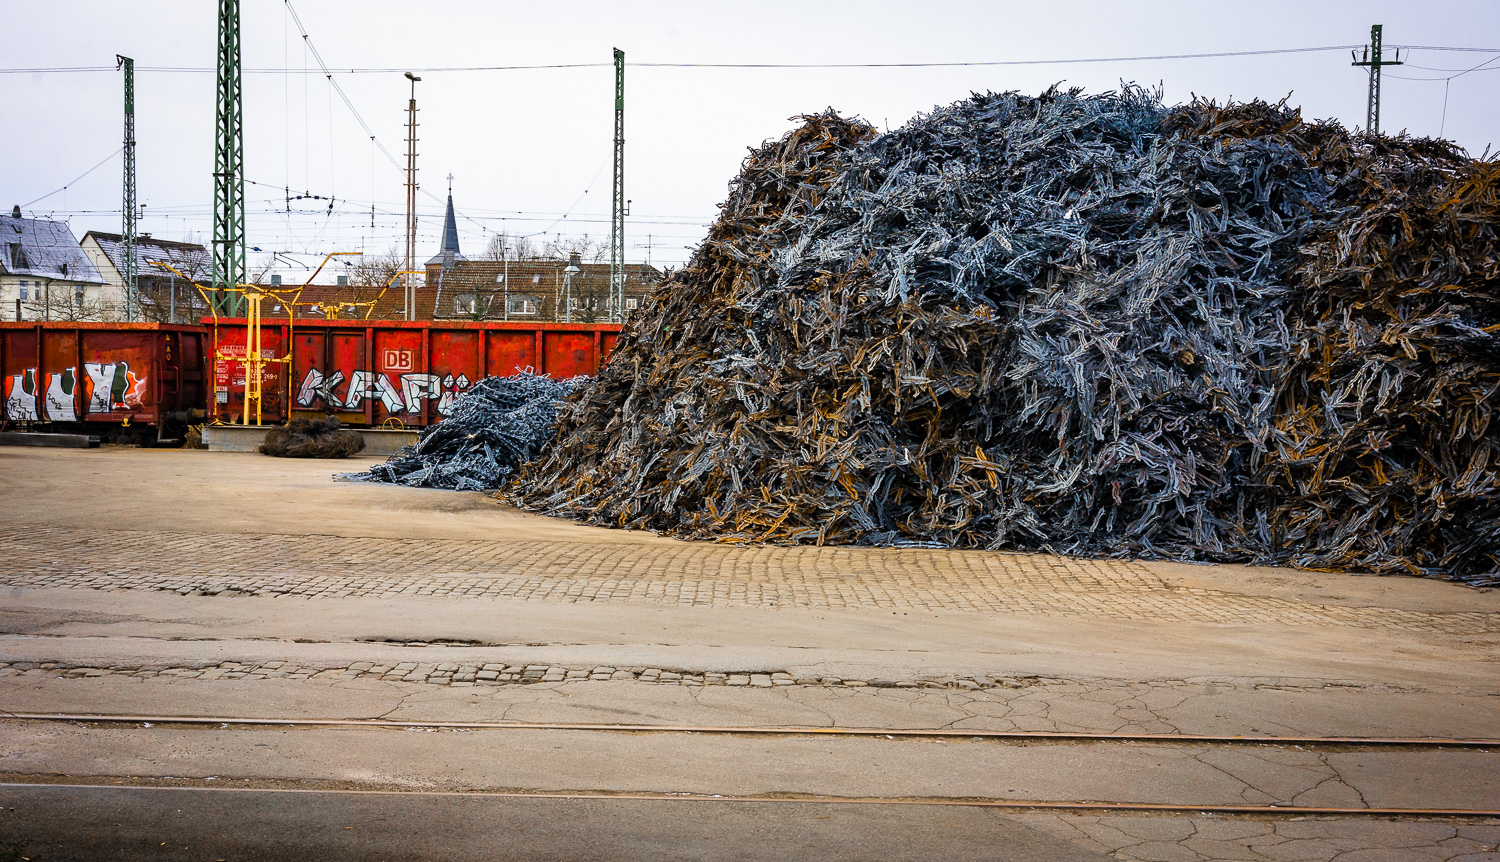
[403, 393]
[108, 387]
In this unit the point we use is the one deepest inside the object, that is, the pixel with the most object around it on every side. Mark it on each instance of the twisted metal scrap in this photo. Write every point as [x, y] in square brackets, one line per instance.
[496, 425]
[304, 438]
[1075, 323]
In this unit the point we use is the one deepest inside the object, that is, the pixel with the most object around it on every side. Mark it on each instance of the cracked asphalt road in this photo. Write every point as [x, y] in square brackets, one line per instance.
[207, 584]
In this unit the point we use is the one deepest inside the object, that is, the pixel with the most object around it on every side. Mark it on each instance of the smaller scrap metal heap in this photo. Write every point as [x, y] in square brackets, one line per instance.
[1092, 325]
[497, 425]
[304, 438]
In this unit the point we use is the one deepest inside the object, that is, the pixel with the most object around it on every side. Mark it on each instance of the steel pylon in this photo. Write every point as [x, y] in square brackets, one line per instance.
[229, 169]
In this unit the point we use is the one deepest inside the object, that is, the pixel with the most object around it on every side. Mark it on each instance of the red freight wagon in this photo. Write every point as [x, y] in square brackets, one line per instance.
[133, 377]
[375, 373]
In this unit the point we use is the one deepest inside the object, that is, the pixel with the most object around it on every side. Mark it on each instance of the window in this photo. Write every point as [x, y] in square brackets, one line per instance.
[521, 305]
[632, 303]
[78, 295]
[536, 279]
[464, 304]
[24, 294]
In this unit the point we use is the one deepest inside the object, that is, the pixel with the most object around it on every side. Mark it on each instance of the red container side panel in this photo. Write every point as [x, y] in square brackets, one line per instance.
[20, 362]
[511, 352]
[99, 372]
[570, 354]
[378, 373]
[230, 370]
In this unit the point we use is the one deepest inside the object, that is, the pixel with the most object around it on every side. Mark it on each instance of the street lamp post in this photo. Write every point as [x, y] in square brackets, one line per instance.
[409, 287]
[572, 270]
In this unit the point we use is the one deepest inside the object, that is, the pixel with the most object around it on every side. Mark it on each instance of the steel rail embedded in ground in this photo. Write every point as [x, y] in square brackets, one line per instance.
[874, 732]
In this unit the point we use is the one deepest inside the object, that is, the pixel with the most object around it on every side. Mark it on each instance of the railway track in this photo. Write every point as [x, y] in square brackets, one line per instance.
[752, 730]
[177, 722]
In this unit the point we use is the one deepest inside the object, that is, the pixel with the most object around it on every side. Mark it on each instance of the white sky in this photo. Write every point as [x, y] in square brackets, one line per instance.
[525, 147]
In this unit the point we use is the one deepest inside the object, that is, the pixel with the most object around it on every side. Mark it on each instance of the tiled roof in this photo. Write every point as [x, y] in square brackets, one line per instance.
[311, 302]
[43, 248]
[484, 275]
[189, 258]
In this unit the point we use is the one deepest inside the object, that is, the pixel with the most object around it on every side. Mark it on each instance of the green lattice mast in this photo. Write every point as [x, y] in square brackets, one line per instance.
[229, 168]
[1374, 57]
[128, 254]
[617, 207]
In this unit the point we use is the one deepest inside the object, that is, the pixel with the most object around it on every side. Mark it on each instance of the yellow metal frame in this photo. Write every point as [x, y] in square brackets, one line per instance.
[254, 295]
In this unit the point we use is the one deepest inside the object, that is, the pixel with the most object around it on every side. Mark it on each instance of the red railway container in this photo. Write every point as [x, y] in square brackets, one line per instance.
[374, 373]
[126, 379]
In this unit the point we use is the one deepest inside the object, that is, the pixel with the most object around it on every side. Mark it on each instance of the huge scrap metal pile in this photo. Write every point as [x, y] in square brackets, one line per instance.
[1088, 324]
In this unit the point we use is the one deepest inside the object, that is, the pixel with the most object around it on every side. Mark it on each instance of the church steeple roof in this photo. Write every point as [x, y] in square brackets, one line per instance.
[450, 229]
[449, 251]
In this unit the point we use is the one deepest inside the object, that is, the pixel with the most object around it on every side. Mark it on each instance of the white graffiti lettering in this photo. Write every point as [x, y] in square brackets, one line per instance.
[20, 396]
[60, 402]
[113, 386]
[315, 387]
[415, 388]
[418, 386]
[101, 383]
[452, 388]
[371, 384]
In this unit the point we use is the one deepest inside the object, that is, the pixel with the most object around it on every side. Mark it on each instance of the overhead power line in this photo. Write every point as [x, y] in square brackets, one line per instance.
[66, 185]
[307, 40]
[366, 70]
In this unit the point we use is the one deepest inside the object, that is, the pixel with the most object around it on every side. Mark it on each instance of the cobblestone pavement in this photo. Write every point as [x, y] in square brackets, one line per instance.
[499, 673]
[1017, 703]
[1155, 838]
[690, 574]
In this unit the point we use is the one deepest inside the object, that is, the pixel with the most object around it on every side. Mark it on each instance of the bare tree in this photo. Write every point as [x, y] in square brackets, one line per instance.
[590, 250]
[503, 246]
[165, 297]
[376, 270]
[62, 300]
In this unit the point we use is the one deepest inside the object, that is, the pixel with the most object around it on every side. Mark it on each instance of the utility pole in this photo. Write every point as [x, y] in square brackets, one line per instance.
[411, 200]
[128, 258]
[618, 209]
[229, 169]
[1373, 58]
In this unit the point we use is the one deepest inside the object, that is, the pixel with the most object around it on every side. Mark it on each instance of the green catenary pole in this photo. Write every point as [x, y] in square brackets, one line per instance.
[229, 168]
[128, 253]
[617, 206]
[1374, 59]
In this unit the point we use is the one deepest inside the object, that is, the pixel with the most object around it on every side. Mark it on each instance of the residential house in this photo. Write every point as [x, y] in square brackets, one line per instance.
[44, 275]
[163, 295]
[530, 289]
[534, 290]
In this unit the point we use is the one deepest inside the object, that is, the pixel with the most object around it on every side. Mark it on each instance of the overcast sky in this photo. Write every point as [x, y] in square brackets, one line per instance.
[527, 147]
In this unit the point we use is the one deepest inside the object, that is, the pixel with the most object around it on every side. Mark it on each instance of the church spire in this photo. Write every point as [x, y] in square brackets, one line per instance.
[450, 225]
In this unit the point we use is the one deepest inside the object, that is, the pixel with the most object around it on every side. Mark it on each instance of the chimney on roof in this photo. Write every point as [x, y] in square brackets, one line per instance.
[16, 210]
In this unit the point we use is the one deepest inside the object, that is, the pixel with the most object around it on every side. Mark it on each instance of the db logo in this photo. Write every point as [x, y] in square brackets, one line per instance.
[397, 360]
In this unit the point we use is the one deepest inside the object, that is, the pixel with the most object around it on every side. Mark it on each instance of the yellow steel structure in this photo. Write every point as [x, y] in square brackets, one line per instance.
[253, 360]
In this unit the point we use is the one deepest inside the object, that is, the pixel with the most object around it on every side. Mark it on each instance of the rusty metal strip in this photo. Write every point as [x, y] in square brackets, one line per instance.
[1007, 735]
